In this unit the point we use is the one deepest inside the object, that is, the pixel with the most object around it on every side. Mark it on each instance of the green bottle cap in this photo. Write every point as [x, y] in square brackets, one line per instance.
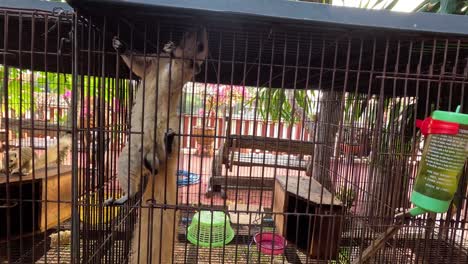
[454, 117]
[428, 203]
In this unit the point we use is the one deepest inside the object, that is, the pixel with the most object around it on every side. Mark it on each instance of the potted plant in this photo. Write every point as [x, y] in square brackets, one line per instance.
[347, 196]
[204, 135]
[216, 98]
[350, 144]
[355, 141]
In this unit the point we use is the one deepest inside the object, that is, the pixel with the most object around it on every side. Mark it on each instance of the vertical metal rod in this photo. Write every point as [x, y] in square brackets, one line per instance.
[75, 246]
[255, 124]
[7, 138]
[46, 25]
[32, 131]
[20, 129]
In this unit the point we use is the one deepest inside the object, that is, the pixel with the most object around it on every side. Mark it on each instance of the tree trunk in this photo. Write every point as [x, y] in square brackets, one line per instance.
[327, 126]
[376, 170]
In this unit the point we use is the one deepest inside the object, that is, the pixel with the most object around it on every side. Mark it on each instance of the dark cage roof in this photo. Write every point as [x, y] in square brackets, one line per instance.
[36, 34]
[290, 44]
[280, 11]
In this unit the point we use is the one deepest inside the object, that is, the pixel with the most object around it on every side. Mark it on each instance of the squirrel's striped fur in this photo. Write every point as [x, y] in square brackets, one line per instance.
[154, 113]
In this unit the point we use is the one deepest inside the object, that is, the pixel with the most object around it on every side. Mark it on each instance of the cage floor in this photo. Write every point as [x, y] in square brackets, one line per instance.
[186, 252]
[26, 250]
[401, 249]
[243, 253]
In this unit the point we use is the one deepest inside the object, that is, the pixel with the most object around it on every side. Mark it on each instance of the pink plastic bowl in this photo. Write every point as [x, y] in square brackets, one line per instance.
[269, 243]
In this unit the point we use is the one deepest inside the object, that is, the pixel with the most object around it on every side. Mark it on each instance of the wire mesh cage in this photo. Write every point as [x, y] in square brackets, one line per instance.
[296, 131]
[35, 140]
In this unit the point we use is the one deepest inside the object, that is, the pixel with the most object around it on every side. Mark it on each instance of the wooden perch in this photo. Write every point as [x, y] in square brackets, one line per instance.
[380, 241]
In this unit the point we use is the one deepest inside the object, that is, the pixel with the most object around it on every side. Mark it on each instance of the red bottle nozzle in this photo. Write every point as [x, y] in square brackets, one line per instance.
[433, 126]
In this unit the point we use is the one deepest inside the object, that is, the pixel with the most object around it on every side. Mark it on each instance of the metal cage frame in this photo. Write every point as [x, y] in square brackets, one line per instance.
[329, 184]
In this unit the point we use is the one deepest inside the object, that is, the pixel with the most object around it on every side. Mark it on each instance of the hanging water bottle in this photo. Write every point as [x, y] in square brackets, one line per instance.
[444, 155]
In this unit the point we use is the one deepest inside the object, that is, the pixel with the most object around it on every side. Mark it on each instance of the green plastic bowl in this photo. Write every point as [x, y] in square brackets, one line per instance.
[210, 229]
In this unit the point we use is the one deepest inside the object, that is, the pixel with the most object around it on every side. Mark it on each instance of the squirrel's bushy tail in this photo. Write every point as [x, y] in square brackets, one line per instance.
[56, 153]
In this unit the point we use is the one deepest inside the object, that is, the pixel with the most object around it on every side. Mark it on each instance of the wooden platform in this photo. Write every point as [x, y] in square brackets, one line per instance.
[306, 188]
[241, 150]
[268, 159]
[43, 199]
[34, 128]
[50, 173]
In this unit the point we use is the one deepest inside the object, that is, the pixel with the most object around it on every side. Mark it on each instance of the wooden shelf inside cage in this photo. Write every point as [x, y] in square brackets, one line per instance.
[283, 153]
[319, 231]
[45, 200]
[33, 128]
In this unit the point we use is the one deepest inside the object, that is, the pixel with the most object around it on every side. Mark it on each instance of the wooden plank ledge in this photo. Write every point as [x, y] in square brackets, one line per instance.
[299, 186]
[52, 171]
[271, 143]
[269, 160]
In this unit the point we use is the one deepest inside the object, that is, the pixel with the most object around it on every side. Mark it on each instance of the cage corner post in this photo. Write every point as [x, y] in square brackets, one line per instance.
[75, 243]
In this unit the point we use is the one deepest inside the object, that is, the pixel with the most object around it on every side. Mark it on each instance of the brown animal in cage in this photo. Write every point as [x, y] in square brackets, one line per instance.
[163, 78]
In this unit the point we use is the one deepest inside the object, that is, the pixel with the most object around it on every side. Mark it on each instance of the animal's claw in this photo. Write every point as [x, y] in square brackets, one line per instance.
[151, 163]
[122, 200]
[109, 201]
[169, 47]
[168, 140]
[118, 44]
[112, 201]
